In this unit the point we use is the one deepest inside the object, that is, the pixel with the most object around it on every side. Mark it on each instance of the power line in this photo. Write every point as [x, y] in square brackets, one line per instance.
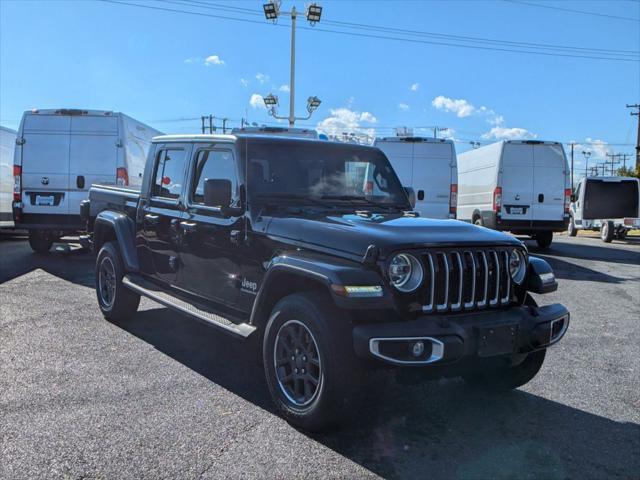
[380, 28]
[381, 37]
[571, 10]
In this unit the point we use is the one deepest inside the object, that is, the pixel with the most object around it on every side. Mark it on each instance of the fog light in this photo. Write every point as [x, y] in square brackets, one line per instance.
[417, 349]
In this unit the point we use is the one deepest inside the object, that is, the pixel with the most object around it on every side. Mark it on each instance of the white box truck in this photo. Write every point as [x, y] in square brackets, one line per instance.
[7, 144]
[521, 186]
[608, 204]
[59, 154]
[429, 167]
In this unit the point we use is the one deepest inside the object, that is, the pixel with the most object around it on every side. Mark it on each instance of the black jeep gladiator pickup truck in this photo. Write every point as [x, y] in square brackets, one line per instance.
[311, 252]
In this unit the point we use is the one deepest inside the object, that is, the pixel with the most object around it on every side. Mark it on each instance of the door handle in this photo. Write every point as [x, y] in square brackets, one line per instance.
[188, 227]
[151, 217]
[420, 194]
[80, 182]
[541, 198]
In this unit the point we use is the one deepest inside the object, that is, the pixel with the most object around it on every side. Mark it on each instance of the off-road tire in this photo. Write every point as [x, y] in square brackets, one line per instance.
[121, 302]
[544, 239]
[40, 241]
[334, 396]
[607, 231]
[498, 374]
[572, 231]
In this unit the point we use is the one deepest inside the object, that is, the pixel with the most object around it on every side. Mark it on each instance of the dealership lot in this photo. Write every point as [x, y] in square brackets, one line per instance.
[162, 395]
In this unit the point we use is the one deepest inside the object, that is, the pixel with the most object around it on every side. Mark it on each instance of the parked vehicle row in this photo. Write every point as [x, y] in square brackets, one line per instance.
[7, 145]
[311, 252]
[59, 154]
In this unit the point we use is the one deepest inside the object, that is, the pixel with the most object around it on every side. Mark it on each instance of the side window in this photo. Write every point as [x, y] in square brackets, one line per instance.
[213, 164]
[169, 174]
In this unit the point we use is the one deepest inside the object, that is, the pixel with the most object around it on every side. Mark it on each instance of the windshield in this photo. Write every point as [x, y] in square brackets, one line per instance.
[322, 174]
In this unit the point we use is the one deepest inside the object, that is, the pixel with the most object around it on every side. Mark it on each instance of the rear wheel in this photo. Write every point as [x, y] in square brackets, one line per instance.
[478, 221]
[503, 374]
[41, 241]
[544, 239]
[115, 300]
[571, 228]
[308, 361]
[607, 231]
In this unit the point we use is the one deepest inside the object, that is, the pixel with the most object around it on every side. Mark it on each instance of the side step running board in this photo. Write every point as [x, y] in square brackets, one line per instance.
[147, 289]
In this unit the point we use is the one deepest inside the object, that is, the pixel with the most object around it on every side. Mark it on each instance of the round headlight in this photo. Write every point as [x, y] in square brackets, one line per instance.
[517, 266]
[405, 272]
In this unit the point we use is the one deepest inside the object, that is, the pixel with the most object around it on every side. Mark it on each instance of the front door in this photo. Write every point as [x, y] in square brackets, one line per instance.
[163, 211]
[210, 252]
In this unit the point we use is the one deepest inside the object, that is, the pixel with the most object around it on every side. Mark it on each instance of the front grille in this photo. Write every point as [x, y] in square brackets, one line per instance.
[469, 279]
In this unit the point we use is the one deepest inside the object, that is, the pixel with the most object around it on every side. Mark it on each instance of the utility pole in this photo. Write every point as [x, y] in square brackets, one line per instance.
[637, 114]
[613, 157]
[624, 159]
[224, 125]
[438, 129]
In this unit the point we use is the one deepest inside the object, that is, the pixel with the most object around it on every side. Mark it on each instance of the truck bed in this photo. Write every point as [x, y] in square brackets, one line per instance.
[110, 197]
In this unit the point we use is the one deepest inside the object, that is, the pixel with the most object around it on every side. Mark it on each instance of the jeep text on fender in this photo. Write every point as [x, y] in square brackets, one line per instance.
[311, 250]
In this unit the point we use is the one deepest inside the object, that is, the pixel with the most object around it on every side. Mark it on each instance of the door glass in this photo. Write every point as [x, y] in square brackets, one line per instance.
[169, 174]
[214, 164]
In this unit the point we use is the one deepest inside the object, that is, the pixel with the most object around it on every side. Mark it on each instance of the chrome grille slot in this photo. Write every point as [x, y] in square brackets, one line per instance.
[469, 279]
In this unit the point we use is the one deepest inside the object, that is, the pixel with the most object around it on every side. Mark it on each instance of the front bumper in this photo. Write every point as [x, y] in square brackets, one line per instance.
[448, 339]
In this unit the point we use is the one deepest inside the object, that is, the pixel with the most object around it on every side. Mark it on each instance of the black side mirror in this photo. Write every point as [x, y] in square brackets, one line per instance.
[217, 193]
[412, 196]
[573, 197]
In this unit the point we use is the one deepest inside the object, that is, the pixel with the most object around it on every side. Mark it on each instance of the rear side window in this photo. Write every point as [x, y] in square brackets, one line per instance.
[169, 174]
[213, 164]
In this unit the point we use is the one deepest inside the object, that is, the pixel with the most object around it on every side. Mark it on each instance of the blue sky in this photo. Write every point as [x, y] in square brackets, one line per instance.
[152, 65]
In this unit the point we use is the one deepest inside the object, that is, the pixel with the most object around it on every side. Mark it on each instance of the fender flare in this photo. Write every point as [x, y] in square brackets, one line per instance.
[124, 229]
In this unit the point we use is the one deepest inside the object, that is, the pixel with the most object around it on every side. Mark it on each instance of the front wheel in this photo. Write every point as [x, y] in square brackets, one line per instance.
[544, 239]
[308, 361]
[607, 231]
[40, 241]
[116, 301]
[501, 374]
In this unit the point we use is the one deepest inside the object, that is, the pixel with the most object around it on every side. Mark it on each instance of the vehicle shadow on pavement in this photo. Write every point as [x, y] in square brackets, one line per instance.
[438, 429]
[581, 251]
[570, 271]
[72, 264]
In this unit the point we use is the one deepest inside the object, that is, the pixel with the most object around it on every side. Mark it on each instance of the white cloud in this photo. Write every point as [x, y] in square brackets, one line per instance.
[598, 148]
[262, 78]
[213, 60]
[414, 87]
[460, 106]
[192, 60]
[284, 88]
[244, 82]
[403, 106]
[503, 133]
[256, 101]
[346, 121]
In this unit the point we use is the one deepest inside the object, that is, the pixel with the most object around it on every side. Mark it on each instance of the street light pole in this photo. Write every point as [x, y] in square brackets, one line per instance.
[292, 86]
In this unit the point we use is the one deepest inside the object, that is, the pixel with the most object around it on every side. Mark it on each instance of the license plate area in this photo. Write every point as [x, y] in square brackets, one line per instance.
[45, 200]
[497, 340]
[516, 211]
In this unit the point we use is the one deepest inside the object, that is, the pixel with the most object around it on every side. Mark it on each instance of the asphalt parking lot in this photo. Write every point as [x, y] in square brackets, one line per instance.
[163, 396]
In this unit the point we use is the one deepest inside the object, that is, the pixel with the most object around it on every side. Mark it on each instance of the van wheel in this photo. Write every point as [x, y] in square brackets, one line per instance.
[607, 231]
[309, 362]
[116, 301]
[544, 239]
[502, 374]
[571, 228]
[40, 241]
[478, 221]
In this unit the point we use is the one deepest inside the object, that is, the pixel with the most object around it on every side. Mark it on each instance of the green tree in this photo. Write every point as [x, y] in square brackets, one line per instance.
[629, 171]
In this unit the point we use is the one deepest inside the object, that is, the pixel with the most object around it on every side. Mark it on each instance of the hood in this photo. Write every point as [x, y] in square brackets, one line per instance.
[354, 233]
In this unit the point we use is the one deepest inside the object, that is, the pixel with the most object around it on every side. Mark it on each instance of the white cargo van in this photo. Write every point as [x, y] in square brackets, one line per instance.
[608, 204]
[517, 185]
[7, 144]
[429, 167]
[59, 154]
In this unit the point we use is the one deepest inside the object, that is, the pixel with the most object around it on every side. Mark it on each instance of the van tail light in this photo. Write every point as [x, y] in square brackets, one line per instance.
[122, 177]
[497, 199]
[17, 183]
[453, 199]
[567, 199]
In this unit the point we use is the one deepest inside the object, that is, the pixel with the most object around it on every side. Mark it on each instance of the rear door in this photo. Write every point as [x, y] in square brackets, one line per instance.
[517, 181]
[400, 154]
[45, 164]
[549, 182]
[163, 211]
[93, 155]
[432, 172]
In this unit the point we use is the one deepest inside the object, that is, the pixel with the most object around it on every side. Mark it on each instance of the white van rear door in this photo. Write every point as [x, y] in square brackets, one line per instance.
[432, 171]
[517, 181]
[93, 155]
[549, 178]
[45, 164]
[400, 154]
